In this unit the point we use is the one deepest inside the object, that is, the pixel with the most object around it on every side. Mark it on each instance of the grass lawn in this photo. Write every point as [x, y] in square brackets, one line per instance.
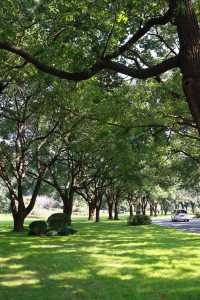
[105, 261]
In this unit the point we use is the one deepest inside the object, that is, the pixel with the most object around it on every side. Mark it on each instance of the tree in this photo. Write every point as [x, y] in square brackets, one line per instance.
[122, 42]
[62, 175]
[24, 133]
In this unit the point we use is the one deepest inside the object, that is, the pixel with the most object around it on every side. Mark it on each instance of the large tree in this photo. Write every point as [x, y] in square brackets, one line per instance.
[136, 38]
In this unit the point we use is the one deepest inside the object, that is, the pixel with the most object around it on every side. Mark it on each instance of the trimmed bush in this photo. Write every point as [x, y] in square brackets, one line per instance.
[66, 231]
[38, 228]
[57, 221]
[139, 220]
[197, 214]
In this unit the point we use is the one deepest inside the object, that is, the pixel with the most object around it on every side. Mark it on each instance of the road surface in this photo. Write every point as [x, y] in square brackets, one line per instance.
[192, 226]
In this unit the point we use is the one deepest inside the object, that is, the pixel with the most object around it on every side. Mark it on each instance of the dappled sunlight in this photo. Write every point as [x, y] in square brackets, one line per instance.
[102, 261]
[19, 278]
[80, 274]
[45, 246]
[15, 266]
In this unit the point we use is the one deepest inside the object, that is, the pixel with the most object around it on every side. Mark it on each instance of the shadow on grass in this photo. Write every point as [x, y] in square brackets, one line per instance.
[104, 261]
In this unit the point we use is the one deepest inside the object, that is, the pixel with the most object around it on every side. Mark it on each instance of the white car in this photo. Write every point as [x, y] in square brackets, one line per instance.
[180, 215]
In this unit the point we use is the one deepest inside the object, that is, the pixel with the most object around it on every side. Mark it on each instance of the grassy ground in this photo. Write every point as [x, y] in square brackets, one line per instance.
[105, 261]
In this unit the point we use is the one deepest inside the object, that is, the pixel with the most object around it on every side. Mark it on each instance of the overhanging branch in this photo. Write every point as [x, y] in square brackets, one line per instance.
[76, 76]
[104, 64]
[153, 71]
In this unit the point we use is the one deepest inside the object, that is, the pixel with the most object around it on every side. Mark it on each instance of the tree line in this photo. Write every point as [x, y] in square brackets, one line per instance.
[76, 115]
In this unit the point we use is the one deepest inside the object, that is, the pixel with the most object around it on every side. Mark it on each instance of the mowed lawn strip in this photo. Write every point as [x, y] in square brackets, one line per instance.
[104, 261]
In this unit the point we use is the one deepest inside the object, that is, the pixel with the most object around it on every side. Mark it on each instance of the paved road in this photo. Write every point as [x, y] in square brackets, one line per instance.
[192, 226]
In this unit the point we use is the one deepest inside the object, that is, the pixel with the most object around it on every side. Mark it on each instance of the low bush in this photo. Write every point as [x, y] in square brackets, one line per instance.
[57, 221]
[139, 220]
[67, 231]
[38, 228]
[197, 214]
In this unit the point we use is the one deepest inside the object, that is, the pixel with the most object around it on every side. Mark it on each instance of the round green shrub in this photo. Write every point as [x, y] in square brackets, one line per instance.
[139, 220]
[197, 215]
[57, 221]
[38, 228]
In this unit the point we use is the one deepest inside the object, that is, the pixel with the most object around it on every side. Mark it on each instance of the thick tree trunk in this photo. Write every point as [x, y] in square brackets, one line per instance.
[189, 56]
[110, 210]
[18, 222]
[68, 212]
[90, 212]
[18, 212]
[68, 206]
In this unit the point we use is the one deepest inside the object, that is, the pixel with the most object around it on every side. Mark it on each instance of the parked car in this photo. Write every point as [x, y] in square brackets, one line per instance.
[180, 215]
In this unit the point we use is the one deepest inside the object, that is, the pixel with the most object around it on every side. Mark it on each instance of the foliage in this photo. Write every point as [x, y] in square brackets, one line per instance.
[4, 201]
[57, 221]
[38, 228]
[197, 214]
[109, 131]
[139, 220]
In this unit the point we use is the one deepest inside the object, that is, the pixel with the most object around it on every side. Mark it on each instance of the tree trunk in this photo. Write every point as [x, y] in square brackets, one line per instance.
[130, 210]
[165, 211]
[110, 210]
[97, 219]
[116, 213]
[68, 206]
[90, 212]
[67, 210]
[193, 207]
[138, 208]
[151, 210]
[155, 210]
[189, 56]
[18, 222]
[18, 212]
[144, 205]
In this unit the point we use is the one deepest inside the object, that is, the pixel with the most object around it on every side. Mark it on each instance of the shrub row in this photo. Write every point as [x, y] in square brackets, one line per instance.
[57, 224]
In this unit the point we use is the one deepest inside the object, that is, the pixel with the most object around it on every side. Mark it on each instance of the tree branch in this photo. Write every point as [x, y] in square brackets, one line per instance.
[76, 76]
[161, 20]
[104, 64]
[153, 71]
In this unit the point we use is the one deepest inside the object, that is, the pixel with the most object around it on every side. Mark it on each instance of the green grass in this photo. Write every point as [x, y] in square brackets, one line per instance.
[105, 261]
